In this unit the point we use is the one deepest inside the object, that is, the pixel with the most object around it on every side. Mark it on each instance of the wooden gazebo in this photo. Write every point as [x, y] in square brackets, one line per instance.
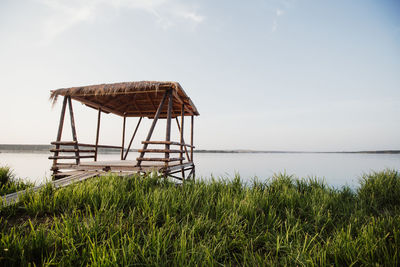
[154, 100]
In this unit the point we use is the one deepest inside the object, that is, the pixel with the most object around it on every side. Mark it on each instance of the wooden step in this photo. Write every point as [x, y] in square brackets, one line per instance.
[161, 151]
[160, 159]
[74, 150]
[166, 143]
[65, 143]
[71, 157]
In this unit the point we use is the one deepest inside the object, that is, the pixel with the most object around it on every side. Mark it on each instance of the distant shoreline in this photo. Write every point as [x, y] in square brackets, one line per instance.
[35, 148]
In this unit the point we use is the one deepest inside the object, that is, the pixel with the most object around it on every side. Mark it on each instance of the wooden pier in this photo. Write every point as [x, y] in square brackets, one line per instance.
[154, 100]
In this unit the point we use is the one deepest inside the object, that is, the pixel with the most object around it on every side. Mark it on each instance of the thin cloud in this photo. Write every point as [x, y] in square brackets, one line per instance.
[193, 16]
[66, 14]
[278, 13]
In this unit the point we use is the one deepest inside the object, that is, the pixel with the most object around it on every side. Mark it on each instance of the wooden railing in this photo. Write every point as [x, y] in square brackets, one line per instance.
[165, 151]
[87, 153]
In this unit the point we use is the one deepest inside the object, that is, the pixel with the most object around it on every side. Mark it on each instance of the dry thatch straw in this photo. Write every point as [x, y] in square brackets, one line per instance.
[130, 99]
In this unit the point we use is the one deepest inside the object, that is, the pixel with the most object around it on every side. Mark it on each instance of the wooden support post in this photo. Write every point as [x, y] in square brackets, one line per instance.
[191, 148]
[97, 134]
[182, 141]
[133, 136]
[123, 138]
[60, 128]
[168, 128]
[74, 137]
[152, 127]
[191, 139]
[185, 148]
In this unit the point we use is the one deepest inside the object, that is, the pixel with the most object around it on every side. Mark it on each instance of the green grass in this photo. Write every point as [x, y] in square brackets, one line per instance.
[147, 221]
[9, 183]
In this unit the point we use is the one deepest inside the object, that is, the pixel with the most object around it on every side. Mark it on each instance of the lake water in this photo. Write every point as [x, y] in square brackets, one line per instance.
[337, 169]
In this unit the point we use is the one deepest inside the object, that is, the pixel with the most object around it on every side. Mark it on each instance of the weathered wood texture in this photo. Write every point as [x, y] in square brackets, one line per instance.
[60, 127]
[71, 157]
[123, 138]
[168, 128]
[97, 134]
[133, 136]
[73, 150]
[165, 142]
[183, 142]
[160, 150]
[74, 136]
[73, 143]
[191, 138]
[150, 133]
[181, 139]
[14, 197]
[160, 159]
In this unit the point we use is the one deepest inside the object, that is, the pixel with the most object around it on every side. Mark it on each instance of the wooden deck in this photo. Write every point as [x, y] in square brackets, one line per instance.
[77, 177]
[122, 166]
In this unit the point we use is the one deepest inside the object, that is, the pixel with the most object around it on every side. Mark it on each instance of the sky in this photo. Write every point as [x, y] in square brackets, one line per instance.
[296, 75]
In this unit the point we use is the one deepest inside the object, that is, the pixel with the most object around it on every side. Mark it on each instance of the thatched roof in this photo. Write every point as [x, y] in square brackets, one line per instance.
[131, 99]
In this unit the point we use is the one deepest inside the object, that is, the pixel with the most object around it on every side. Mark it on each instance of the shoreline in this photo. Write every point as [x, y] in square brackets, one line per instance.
[37, 148]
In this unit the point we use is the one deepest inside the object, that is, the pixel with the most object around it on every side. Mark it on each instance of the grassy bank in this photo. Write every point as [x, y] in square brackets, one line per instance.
[9, 183]
[136, 221]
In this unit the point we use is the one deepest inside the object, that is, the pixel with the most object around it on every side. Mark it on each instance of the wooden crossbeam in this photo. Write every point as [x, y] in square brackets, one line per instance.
[159, 159]
[133, 136]
[71, 157]
[152, 127]
[74, 150]
[165, 142]
[160, 150]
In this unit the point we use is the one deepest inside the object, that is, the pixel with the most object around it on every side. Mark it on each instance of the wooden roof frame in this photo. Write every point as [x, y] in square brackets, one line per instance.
[130, 99]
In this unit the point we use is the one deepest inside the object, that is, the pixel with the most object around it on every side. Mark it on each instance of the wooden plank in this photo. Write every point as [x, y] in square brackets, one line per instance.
[173, 176]
[74, 137]
[160, 150]
[97, 134]
[64, 143]
[100, 146]
[181, 132]
[123, 138]
[72, 143]
[133, 136]
[14, 197]
[152, 126]
[71, 157]
[68, 173]
[73, 150]
[182, 168]
[164, 142]
[168, 127]
[191, 138]
[183, 143]
[60, 127]
[159, 159]
[178, 167]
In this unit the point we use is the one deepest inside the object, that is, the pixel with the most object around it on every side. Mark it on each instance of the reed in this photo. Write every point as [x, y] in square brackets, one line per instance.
[144, 220]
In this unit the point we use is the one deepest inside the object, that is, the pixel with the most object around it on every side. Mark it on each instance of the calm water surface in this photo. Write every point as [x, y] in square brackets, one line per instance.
[336, 169]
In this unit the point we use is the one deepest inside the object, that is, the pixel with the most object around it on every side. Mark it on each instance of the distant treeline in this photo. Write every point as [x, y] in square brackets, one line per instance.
[46, 148]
